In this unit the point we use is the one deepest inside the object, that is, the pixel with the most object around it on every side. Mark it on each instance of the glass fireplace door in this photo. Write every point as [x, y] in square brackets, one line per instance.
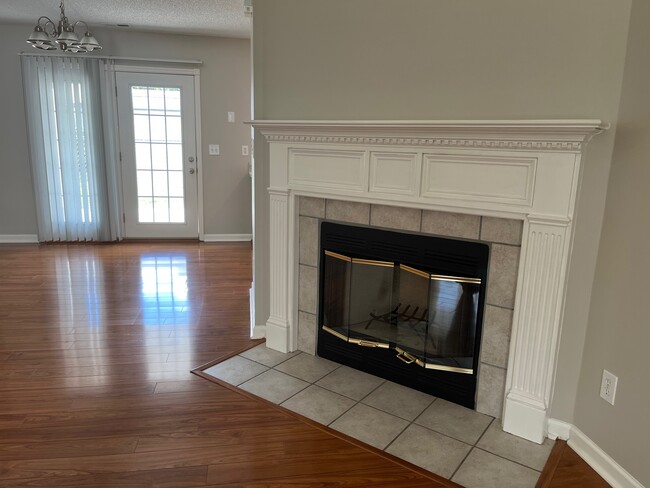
[428, 319]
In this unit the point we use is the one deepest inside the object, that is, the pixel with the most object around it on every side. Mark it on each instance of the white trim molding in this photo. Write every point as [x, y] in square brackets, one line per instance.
[18, 239]
[519, 169]
[558, 429]
[592, 454]
[258, 332]
[227, 237]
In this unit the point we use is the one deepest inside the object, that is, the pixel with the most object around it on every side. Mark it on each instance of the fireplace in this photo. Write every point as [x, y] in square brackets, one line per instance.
[403, 306]
[521, 170]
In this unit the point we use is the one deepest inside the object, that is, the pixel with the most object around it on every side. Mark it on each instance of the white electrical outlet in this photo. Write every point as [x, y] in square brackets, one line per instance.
[214, 150]
[231, 116]
[244, 150]
[608, 387]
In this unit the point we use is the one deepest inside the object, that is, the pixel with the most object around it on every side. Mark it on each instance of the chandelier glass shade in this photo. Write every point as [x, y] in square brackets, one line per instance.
[50, 36]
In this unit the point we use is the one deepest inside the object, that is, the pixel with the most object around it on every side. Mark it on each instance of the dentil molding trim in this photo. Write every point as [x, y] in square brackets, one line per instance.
[521, 169]
[540, 135]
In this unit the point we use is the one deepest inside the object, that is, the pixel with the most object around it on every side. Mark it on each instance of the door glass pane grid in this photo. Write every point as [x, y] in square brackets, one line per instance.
[159, 154]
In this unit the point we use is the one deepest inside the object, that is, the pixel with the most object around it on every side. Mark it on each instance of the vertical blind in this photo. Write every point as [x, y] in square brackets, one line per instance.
[72, 181]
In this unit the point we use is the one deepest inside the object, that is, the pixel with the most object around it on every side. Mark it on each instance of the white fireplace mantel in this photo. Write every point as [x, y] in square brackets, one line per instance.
[523, 169]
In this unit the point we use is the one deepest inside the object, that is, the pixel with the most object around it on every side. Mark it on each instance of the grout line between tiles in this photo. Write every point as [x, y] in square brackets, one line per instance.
[237, 384]
[486, 429]
[271, 367]
[461, 463]
[342, 414]
[289, 398]
[422, 412]
[397, 436]
[371, 392]
[252, 377]
[257, 362]
[505, 458]
[443, 434]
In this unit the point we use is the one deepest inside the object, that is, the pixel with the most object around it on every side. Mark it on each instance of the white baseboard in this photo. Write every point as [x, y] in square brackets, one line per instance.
[594, 456]
[227, 237]
[277, 335]
[18, 238]
[258, 332]
[524, 419]
[557, 429]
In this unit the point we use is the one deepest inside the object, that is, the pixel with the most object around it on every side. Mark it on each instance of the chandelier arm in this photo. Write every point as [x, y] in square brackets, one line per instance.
[50, 22]
[74, 26]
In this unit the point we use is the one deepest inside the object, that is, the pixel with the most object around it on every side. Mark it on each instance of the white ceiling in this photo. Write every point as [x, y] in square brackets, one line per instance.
[223, 18]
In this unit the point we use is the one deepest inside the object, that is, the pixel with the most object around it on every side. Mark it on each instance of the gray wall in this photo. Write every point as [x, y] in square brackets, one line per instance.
[455, 59]
[17, 211]
[618, 335]
[225, 86]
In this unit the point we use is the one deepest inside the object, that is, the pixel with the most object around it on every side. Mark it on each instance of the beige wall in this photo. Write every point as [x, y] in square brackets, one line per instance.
[618, 335]
[17, 211]
[225, 86]
[455, 59]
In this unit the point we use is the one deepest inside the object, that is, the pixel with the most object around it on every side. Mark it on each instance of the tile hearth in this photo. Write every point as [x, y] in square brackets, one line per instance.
[452, 441]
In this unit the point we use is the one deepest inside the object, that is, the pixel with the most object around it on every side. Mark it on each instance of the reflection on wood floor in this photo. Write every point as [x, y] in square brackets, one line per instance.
[96, 347]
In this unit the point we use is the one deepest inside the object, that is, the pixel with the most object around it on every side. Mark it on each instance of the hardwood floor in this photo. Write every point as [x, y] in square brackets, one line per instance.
[96, 347]
[565, 469]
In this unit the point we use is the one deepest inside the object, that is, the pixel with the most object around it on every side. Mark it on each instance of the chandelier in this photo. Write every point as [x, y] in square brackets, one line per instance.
[50, 36]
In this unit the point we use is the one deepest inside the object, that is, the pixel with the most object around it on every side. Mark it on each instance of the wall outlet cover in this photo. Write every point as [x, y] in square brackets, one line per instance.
[214, 150]
[244, 150]
[608, 387]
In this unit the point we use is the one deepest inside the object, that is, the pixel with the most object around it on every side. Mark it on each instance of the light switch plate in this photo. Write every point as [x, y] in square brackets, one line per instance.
[231, 116]
[214, 150]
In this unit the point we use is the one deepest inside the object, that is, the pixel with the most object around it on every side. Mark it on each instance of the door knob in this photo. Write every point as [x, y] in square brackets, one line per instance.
[192, 171]
[191, 159]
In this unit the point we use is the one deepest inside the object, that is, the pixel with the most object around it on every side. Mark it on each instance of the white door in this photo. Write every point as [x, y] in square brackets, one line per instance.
[158, 150]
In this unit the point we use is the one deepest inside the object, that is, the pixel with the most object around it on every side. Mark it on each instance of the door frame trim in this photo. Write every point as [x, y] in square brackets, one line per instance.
[196, 76]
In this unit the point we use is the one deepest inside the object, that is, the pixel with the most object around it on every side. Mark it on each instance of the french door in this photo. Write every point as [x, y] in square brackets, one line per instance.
[157, 128]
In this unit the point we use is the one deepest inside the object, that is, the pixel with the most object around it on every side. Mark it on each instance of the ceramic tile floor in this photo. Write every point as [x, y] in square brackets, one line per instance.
[452, 441]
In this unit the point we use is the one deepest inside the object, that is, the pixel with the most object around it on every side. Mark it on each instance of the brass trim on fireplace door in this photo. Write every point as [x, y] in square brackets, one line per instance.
[358, 342]
[373, 262]
[423, 274]
[338, 256]
[401, 353]
[457, 279]
[335, 333]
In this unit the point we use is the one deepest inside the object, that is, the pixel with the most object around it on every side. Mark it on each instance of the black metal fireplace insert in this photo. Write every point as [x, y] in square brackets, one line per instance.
[406, 307]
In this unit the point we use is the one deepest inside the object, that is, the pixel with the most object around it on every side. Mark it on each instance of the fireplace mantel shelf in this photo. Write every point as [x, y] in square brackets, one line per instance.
[523, 134]
[541, 125]
[523, 169]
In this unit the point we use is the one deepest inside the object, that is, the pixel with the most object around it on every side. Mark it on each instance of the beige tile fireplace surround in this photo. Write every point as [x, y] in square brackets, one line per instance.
[503, 235]
[513, 184]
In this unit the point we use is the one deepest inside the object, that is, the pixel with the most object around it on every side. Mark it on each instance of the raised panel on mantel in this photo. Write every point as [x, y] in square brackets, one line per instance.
[328, 169]
[484, 179]
[394, 173]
